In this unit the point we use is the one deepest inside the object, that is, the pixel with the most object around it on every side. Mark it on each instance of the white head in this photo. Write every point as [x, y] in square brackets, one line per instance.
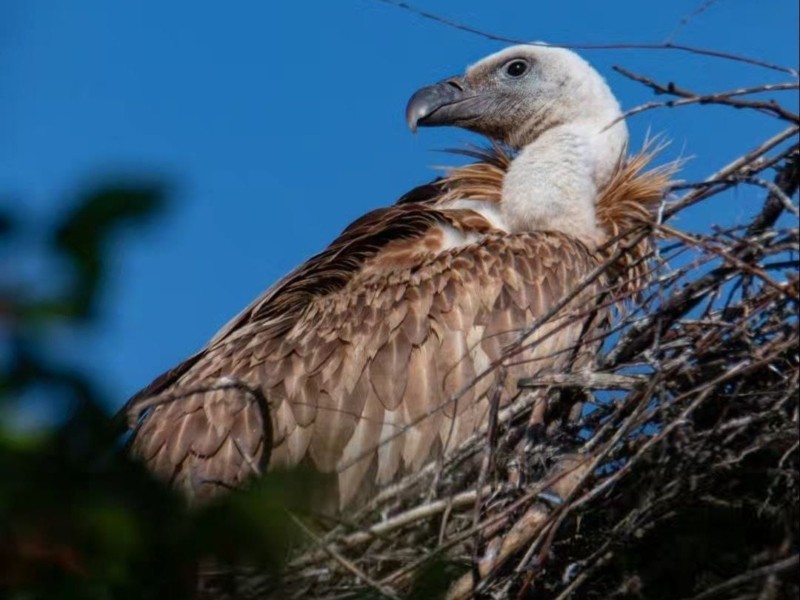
[522, 92]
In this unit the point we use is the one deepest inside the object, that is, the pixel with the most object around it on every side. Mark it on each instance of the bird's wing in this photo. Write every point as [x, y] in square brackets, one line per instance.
[363, 362]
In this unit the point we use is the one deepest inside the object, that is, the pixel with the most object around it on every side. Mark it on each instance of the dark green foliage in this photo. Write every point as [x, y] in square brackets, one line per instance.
[83, 235]
[78, 519]
[435, 578]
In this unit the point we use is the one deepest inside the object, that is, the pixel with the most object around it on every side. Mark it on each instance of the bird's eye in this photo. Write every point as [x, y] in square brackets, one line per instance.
[516, 68]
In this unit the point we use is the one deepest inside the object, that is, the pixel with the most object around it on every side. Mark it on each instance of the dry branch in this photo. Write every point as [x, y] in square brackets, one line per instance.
[680, 481]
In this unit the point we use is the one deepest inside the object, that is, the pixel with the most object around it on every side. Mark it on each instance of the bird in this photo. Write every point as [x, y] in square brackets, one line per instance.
[386, 350]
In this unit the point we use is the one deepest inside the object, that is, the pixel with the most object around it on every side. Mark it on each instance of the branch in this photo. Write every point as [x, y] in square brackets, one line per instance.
[685, 20]
[786, 182]
[642, 334]
[742, 165]
[613, 46]
[716, 98]
[383, 591]
[593, 381]
[782, 565]
[725, 98]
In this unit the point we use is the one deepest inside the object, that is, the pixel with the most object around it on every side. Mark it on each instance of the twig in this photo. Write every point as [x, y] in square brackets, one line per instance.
[785, 200]
[347, 564]
[725, 98]
[611, 46]
[685, 20]
[592, 381]
[786, 564]
[715, 98]
[404, 519]
[486, 464]
[786, 181]
[742, 163]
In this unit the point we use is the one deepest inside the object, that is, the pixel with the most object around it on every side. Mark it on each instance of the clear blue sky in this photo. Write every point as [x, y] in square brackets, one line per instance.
[277, 123]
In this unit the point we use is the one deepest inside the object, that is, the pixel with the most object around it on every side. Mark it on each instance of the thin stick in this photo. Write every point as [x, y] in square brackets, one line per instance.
[612, 46]
[347, 564]
[725, 98]
[715, 98]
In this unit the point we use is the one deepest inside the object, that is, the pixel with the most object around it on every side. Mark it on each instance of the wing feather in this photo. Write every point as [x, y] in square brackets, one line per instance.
[420, 404]
[391, 359]
[357, 350]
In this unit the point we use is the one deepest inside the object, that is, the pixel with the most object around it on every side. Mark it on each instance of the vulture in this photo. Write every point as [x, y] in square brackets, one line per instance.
[386, 350]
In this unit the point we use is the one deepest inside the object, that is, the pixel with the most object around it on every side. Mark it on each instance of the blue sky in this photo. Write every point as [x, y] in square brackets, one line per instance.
[277, 123]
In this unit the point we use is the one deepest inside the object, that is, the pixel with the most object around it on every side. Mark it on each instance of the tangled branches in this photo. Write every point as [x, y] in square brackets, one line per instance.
[680, 477]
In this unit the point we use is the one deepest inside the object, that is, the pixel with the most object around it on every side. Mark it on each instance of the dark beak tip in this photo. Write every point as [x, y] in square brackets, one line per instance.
[430, 99]
[417, 109]
[411, 119]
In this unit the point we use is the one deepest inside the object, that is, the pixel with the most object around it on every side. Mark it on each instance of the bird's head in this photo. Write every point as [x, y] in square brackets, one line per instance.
[517, 94]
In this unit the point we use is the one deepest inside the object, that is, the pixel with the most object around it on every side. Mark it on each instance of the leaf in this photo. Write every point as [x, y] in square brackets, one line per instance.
[84, 233]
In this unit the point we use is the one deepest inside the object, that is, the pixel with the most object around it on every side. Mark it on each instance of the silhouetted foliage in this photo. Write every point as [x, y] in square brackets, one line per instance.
[78, 518]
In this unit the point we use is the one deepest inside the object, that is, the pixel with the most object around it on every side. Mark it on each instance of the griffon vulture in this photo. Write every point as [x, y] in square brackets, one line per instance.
[380, 353]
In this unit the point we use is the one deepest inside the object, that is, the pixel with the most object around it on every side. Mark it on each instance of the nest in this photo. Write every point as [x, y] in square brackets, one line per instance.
[679, 478]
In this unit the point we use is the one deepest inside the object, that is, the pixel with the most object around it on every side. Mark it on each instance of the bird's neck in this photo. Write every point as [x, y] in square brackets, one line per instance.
[553, 183]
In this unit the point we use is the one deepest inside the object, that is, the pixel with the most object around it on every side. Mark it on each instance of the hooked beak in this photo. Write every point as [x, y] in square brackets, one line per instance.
[448, 102]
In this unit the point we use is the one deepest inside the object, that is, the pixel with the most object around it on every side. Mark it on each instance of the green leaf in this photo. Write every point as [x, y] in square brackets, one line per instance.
[84, 233]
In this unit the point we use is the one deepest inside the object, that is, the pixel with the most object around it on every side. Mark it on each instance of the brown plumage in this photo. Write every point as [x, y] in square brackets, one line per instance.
[381, 353]
[363, 361]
